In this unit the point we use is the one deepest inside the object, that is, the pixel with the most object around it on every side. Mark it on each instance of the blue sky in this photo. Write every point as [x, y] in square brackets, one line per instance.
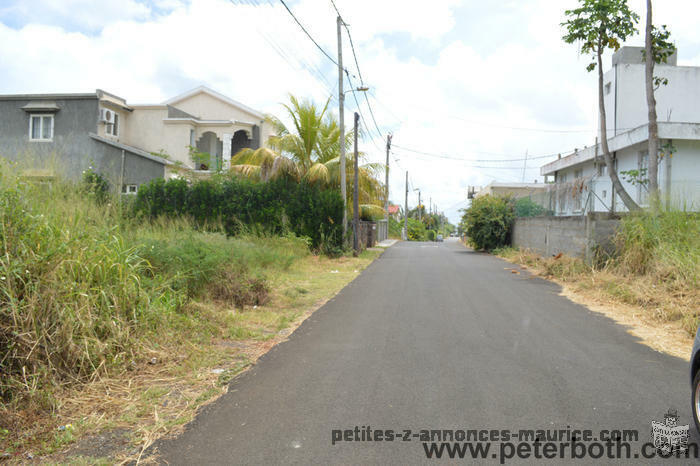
[480, 81]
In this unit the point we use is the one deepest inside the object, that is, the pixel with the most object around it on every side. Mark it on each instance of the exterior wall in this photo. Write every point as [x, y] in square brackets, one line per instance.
[681, 188]
[206, 107]
[516, 192]
[71, 143]
[72, 150]
[575, 236]
[145, 129]
[626, 106]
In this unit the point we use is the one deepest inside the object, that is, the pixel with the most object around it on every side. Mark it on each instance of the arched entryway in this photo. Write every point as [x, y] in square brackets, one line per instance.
[208, 143]
[239, 141]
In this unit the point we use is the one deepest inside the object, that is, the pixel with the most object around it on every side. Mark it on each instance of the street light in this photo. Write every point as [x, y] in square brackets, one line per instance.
[341, 110]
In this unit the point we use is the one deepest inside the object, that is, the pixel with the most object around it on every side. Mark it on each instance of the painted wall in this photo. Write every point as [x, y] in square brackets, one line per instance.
[626, 106]
[206, 107]
[684, 168]
[146, 130]
[72, 150]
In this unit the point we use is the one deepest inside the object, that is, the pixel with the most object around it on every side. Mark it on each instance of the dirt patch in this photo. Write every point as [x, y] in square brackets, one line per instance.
[103, 445]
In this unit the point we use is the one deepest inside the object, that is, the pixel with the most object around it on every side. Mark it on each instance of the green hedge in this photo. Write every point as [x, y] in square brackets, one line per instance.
[489, 221]
[276, 207]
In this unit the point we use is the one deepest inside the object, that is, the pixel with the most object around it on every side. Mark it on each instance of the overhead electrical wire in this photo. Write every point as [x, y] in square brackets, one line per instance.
[309, 35]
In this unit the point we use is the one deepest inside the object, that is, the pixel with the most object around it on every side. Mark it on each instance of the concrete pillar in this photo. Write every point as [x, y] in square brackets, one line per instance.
[226, 156]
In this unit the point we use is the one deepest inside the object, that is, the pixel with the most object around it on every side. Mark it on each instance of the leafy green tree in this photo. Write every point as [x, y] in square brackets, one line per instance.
[310, 151]
[526, 207]
[598, 25]
[488, 222]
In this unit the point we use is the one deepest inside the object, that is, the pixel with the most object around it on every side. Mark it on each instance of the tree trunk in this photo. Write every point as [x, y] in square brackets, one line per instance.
[653, 170]
[617, 185]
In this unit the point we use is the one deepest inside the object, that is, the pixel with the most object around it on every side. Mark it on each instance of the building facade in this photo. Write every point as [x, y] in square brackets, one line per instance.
[62, 135]
[581, 183]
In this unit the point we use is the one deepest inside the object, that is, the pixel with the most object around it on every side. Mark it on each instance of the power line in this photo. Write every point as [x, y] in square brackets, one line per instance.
[309, 35]
[357, 65]
[443, 156]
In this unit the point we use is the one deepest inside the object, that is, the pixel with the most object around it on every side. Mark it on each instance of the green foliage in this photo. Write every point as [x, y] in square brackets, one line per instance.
[416, 230]
[599, 24]
[236, 205]
[95, 186]
[666, 244]
[526, 207]
[636, 177]
[488, 222]
[395, 228]
[661, 50]
[200, 158]
[83, 290]
[431, 235]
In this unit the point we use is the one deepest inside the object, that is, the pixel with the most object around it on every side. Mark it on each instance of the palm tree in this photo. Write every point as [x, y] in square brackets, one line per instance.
[310, 152]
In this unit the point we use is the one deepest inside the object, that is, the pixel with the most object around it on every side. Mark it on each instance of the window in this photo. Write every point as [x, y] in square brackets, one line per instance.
[192, 141]
[113, 128]
[40, 127]
[130, 189]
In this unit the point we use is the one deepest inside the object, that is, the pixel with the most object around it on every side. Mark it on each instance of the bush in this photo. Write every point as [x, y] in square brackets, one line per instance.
[489, 222]
[526, 207]
[431, 235]
[239, 205]
[95, 185]
[416, 230]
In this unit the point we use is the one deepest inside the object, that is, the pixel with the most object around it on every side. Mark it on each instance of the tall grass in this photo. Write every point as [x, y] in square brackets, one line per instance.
[83, 288]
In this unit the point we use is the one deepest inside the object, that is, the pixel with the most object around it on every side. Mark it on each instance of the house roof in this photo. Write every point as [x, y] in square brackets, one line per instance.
[92, 95]
[216, 95]
[393, 209]
[131, 149]
[667, 130]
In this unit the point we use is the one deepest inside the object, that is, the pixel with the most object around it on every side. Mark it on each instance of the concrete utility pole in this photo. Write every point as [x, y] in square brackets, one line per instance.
[356, 195]
[386, 184]
[341, 118]
[405, 212]
[420, 212]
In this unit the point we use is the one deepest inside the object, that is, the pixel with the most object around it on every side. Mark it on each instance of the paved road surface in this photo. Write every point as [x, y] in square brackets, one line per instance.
[434, 336]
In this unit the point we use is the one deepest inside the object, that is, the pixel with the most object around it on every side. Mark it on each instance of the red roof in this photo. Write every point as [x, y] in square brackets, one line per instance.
[393, 209]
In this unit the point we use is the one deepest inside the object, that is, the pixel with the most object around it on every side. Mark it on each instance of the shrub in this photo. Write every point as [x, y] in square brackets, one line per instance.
[416, 230]
[431, 235]
[489, 221]
[95, 185]
[526, 207]
[238, 205]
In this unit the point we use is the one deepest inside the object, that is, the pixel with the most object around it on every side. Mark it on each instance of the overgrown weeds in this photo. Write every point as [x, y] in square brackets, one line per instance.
[655, 267]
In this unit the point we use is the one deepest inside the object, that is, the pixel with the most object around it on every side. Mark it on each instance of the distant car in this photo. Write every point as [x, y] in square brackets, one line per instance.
[439, 237]
[695, 379]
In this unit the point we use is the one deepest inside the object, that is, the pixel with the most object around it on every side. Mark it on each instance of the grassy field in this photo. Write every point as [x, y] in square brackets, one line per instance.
[651, 280]
[114, 331]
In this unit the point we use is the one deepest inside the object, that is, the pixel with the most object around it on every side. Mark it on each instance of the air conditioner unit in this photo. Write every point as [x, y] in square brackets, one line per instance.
[106, 116]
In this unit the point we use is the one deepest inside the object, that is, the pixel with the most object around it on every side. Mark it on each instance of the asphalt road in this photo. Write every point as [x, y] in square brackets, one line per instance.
[435, 336]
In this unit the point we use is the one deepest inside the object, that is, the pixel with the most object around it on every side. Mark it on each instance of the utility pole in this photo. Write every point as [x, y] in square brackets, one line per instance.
[356, 196]
[405, 212]
[420, 213]
[524, 165]
[386, 184]
[341, 118]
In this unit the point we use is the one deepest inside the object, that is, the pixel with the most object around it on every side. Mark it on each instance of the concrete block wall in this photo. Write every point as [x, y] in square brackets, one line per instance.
[575, 236]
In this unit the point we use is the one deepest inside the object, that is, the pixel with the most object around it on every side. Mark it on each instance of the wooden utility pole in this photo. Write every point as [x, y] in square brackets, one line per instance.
[405, 212]
[386, 184]
[341, 118]
[356, 195]
[420, 214]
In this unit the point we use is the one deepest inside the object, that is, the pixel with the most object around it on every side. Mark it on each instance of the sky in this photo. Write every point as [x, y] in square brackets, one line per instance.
[478, 85]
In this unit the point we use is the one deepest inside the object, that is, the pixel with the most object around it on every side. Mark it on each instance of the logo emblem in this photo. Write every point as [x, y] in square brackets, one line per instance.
[668, 437]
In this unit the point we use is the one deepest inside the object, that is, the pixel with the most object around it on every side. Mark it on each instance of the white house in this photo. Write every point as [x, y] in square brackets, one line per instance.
[581, 181]
[200, 118]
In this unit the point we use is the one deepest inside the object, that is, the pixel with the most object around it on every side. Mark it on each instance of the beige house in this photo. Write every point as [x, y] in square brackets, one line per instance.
[516, 190]
[202, 119]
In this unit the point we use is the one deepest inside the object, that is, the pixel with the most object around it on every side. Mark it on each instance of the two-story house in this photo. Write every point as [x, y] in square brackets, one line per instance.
[582, 182]
[64, 134]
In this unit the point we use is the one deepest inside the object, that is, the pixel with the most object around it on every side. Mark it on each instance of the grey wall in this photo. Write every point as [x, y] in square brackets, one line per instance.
[575, 236]
[72, 150]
